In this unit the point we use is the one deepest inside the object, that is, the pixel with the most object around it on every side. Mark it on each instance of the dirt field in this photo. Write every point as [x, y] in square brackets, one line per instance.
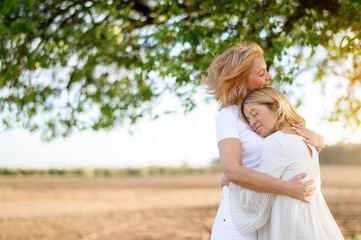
[159, 208]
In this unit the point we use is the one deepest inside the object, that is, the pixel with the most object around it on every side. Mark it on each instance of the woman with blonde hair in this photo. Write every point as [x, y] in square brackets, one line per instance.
[284, 154]
[230, 78]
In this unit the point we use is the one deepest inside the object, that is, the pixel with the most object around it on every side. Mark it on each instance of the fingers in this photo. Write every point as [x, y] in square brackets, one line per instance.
[308, 141]
[310, 193]
[298, 128]
[307, 194]
[305, 200]
[309, 182]
[299, 132]
[303, 133]
[301, 190]
[295, 126]
[305, 197]
[301, 175]
[224, 180]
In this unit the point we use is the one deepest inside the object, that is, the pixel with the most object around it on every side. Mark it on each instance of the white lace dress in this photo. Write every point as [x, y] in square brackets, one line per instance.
[278, 217]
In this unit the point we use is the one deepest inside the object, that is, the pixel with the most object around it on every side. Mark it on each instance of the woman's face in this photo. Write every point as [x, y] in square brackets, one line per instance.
[259, 76]
[261, 118]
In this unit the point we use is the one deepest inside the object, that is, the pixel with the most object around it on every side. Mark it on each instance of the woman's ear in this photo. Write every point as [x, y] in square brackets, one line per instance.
[275, 107]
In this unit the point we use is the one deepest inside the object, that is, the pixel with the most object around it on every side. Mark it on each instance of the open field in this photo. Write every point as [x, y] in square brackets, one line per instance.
[158, 207]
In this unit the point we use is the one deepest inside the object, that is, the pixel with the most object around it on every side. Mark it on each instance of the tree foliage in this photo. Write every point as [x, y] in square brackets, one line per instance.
[94, 64]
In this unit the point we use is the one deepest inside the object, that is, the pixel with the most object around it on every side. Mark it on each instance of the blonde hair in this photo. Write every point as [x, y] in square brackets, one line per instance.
[228, 74]
[271, 97]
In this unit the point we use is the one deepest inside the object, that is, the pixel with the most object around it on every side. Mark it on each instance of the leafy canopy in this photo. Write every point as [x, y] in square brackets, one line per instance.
[95, 64]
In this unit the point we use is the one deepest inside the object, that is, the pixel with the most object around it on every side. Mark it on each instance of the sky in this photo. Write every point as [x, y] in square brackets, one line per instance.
[171, 140]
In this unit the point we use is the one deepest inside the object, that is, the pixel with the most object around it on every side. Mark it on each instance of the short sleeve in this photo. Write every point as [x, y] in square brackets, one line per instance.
[227, 124]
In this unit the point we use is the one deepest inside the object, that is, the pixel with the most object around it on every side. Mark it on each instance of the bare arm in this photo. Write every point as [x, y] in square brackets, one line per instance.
[231, 162]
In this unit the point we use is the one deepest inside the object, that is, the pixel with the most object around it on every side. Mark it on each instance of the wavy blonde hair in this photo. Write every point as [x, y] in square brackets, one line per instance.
[228, 74]
[274, 99]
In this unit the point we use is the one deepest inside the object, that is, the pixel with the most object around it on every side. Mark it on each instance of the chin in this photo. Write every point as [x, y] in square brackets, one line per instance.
[265, 134]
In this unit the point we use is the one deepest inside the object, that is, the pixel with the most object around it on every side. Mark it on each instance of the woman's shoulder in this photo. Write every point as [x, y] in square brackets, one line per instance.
[284, 141]
[227, 114]
[275, 141]
[229, 124]
[232, 110]
[230, 114]
[273, 138]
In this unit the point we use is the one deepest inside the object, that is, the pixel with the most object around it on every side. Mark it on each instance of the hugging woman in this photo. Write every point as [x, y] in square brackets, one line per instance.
[230, 78]
[284, 154]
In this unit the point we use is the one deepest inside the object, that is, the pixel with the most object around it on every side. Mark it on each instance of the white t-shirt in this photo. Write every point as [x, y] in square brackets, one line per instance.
[230, 125]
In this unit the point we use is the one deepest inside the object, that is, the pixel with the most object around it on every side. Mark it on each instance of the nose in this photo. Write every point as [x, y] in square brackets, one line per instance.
[252, 122]
[269, 76]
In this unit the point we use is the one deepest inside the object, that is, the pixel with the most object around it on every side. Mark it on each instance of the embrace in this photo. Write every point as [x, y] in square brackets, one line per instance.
[271, 183]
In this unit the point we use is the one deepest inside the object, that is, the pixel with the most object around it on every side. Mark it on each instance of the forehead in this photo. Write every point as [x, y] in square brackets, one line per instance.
[251, 105]
[258, 64]
[248, 107]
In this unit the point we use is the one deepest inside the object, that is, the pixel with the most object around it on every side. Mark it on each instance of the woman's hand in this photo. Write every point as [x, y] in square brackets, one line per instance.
[224, 180]
[309, 137]
[300, 190]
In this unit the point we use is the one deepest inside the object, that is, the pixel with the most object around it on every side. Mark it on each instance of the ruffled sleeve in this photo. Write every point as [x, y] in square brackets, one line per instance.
[250, 210]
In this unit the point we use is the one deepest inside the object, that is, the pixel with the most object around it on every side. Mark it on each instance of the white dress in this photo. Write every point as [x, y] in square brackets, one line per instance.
[230, 125]
[278, 217]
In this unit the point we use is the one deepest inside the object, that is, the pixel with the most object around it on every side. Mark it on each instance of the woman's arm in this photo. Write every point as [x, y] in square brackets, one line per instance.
[231, 162]
[310, 137]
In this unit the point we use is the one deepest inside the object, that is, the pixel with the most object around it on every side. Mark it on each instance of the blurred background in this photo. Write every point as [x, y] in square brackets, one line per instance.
[107, 132]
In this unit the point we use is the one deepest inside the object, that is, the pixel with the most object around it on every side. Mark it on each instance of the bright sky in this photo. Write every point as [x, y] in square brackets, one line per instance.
[171, 140]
